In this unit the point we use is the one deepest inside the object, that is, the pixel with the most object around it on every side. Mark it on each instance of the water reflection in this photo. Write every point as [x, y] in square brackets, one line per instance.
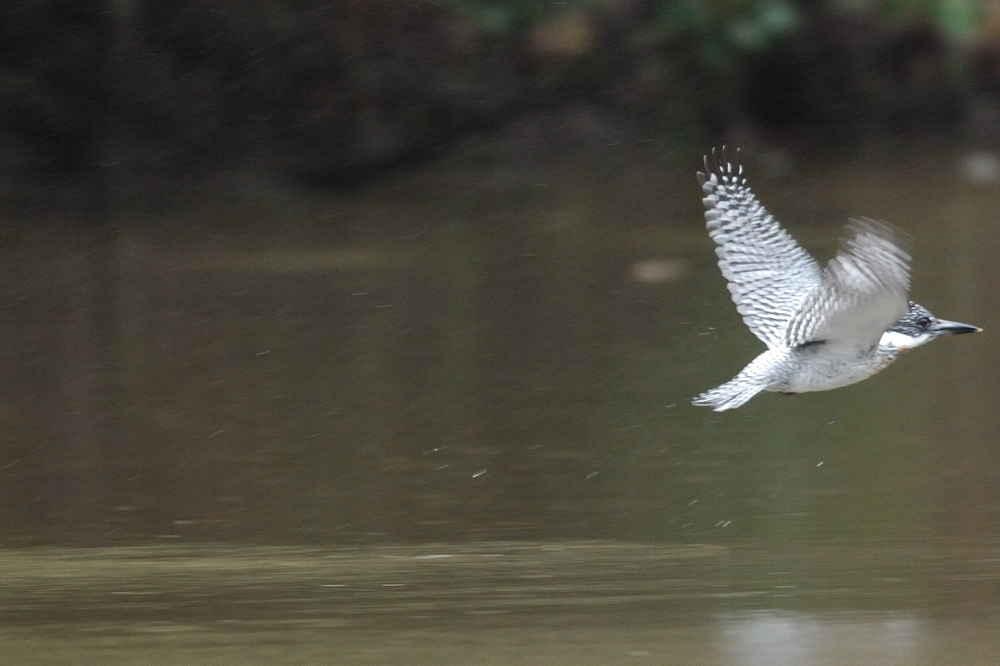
[447, 357]
[502, 602]
[780, 639]
[470, 356]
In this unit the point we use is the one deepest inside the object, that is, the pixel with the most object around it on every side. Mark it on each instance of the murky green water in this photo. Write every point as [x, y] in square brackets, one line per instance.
[446, 419]
[924, 602]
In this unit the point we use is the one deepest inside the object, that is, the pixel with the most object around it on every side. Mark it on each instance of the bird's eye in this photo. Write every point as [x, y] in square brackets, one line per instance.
[924, 322]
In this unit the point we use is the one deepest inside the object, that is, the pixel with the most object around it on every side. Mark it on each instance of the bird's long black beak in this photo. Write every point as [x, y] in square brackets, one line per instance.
[954, 328]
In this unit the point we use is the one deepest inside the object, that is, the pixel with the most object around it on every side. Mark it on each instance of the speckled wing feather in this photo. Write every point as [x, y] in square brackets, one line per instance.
[769, 274]
[864, 289]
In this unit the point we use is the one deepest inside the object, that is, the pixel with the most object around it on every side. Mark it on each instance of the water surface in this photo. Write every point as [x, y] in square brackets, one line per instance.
[446, 419]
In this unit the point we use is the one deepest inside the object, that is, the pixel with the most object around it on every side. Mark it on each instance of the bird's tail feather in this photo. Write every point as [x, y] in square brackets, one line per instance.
[730, 395]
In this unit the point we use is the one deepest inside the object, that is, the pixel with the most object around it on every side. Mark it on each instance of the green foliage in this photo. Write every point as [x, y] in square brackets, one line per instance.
[957, 20]
[722, 29]
[726, 30]
[722, 32]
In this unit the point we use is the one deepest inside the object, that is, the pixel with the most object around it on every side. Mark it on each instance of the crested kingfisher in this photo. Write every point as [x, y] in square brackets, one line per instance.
[824, 327]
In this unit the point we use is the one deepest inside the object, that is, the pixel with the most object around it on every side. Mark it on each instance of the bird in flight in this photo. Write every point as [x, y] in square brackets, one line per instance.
[824, 327]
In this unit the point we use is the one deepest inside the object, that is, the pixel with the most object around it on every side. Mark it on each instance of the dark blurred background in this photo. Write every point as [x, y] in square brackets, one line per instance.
[328, 93]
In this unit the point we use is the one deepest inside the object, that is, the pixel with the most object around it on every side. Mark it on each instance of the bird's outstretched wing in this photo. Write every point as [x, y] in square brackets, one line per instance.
[769, 274]
[864, 289]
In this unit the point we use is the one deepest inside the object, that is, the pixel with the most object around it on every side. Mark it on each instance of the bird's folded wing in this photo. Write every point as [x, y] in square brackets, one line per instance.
[864, 289]
[769, 274]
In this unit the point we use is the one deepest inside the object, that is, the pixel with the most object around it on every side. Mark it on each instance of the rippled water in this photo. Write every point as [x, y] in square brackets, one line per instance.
[505, 602]
[446, 419]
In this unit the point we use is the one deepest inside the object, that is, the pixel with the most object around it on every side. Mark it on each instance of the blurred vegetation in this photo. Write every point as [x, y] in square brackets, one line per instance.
[327, 91]
[727, 30]
[724, 32]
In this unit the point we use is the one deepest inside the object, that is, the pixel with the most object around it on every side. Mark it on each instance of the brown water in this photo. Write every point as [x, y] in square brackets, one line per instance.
[504, 602]
[446, 420]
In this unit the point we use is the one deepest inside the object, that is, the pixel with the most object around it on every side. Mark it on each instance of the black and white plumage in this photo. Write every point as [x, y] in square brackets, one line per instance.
[824, 327]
